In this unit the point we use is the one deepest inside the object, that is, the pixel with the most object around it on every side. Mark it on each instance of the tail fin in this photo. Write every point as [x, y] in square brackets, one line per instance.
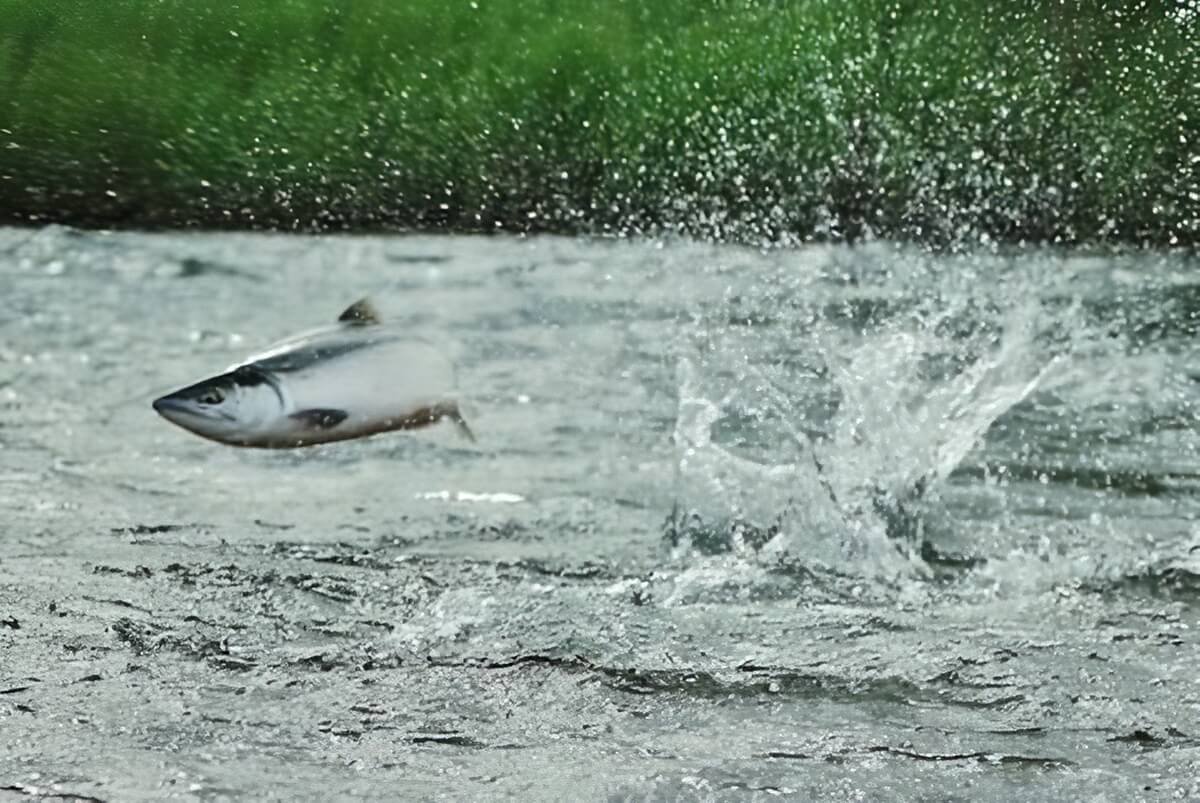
[452, 412]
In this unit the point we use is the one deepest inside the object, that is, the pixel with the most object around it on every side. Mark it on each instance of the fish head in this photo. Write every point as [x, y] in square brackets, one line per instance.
[230, 408]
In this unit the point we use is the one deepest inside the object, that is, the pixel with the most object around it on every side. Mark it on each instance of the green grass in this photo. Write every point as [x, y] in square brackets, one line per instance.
[753, 120]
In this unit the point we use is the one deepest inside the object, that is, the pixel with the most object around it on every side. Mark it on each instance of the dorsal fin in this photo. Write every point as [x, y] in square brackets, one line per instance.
[360, 313]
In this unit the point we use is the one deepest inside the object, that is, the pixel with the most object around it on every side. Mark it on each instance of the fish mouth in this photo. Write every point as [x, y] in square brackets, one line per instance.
[184, 412]
[179, 411]
[168, 407]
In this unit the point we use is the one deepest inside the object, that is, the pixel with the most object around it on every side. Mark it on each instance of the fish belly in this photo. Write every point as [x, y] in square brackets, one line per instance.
[396, 385]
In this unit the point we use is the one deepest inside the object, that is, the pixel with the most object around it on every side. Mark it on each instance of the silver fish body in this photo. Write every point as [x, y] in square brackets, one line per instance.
[352, 380]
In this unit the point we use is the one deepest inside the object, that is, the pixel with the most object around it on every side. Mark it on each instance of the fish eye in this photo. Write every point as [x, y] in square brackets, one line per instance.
[212, 396]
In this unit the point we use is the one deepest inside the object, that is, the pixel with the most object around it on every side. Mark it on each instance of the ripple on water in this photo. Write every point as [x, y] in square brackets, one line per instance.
[921, 511]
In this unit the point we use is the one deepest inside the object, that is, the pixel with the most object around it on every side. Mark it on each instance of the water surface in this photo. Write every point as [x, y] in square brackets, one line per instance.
[832, 522]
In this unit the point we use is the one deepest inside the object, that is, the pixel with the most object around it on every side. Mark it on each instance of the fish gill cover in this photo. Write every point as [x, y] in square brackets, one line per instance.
[754, 121]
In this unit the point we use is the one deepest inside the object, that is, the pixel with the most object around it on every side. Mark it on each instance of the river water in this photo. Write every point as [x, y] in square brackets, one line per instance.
[832, 522]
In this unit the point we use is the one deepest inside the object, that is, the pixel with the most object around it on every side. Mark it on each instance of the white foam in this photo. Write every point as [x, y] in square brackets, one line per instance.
[495, 497]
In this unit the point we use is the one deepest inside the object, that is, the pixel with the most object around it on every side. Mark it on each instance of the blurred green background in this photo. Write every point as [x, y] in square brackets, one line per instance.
[753, 121]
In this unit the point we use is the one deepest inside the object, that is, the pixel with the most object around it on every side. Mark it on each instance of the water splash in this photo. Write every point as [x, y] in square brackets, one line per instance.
[911, 398]
[902, 426]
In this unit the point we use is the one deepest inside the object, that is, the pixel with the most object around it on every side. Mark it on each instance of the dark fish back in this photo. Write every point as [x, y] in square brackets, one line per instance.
[309, 355]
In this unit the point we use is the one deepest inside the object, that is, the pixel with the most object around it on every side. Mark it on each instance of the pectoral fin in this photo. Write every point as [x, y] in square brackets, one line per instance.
[320, 417]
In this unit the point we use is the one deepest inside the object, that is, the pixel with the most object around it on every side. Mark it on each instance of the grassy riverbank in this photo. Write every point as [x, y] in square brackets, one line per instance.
[751, 121]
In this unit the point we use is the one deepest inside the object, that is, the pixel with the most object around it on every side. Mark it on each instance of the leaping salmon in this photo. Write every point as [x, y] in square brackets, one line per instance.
[354, 379]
